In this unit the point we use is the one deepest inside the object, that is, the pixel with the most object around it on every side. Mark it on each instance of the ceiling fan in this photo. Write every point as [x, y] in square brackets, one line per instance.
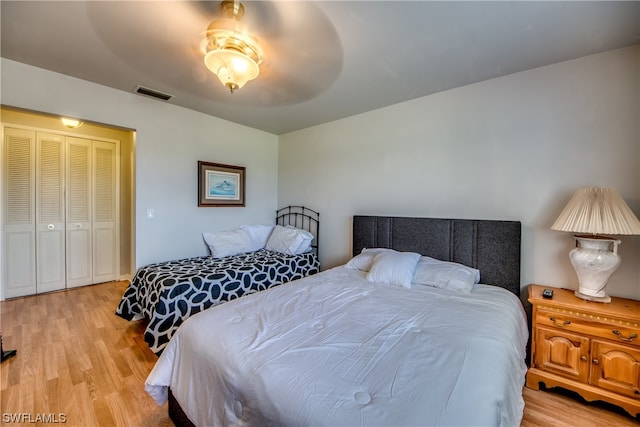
[230, 52]
[290, 48]
[301, 58]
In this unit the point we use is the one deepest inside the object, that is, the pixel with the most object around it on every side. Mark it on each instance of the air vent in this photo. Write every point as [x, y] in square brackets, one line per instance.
[152, 93]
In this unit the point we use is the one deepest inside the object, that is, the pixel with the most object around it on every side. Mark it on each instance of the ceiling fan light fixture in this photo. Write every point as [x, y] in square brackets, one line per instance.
[229, 52]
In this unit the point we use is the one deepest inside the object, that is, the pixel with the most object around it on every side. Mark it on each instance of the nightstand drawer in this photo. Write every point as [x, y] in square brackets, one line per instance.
[597, 326]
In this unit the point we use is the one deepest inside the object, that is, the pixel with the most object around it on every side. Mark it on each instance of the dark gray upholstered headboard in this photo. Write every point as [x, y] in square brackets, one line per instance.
[493, 247]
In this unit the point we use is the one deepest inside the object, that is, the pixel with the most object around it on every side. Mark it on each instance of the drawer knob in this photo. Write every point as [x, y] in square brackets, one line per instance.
[596, 361]
[556, 323]
[583, 358]
[622, 337]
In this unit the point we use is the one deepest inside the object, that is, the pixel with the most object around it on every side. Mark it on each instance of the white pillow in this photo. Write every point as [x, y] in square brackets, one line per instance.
[258, 234]
[289, 240]
[364, 260]
[395, 268]
[445, 275]
[226, 243]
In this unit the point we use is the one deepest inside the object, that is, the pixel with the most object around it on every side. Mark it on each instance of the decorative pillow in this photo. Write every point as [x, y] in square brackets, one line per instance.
[445, 275]
[258, 234]
[395, 268]
[364, 260]
[289, 240]
[226, 243]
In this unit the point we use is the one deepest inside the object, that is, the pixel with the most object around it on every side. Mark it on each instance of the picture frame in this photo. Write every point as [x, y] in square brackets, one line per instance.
[220, 185]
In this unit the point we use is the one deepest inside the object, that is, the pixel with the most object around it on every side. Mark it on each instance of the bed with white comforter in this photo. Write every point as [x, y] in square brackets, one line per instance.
[338, 349]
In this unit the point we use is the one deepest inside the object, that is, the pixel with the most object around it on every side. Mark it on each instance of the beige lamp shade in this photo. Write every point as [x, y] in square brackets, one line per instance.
[595, 210]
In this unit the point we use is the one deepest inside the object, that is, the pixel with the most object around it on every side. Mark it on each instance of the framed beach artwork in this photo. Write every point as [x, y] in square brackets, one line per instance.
[220, 185]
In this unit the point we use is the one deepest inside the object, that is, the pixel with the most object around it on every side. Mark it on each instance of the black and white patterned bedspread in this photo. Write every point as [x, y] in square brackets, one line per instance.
[168, 293]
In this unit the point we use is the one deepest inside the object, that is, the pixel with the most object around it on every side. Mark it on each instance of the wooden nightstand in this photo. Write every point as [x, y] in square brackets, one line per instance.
[589, 347]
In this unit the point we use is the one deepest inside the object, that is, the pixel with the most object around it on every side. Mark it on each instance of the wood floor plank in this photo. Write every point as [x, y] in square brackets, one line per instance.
[133, 361]
[103, 412]
[77, 358]
[52, 352]
[117, 407]
[55, 395]
[10, 398]
[83, 409]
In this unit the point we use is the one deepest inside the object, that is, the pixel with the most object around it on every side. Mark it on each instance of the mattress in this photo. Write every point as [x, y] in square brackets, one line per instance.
[335, 349]
[168, 293]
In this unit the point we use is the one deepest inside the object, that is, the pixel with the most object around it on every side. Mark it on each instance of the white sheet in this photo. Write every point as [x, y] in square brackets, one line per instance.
[335, 349]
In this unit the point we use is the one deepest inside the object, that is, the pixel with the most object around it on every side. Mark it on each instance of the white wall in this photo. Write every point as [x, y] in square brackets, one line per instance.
[512, 148]
[515, 147]
[169, 142]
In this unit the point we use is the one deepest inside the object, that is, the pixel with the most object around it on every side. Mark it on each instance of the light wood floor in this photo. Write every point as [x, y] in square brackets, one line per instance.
[78, 360]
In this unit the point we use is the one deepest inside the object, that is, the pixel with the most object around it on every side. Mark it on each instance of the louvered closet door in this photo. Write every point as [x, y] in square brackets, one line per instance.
[50, 223]
[104, 211]
[19, 227]
[79, 232]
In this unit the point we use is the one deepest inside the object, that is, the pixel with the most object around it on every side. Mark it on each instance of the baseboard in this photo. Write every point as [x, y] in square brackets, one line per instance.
[125, 278]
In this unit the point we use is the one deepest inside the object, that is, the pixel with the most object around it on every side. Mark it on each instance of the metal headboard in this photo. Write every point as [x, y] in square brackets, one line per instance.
[303, 218]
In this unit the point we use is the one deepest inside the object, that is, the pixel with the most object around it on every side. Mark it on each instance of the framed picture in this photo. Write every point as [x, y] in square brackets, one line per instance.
[220, 185]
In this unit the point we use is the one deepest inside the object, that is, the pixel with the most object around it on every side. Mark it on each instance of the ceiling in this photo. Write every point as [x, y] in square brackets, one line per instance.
[324, 60]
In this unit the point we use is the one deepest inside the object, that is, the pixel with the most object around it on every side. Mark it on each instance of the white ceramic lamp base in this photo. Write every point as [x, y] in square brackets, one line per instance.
[595, 259]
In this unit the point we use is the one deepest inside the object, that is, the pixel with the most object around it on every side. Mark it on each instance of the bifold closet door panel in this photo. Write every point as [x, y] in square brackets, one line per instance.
[19, 212]
[50, 222]
[60, 211]
[79, 229]
[104, 211]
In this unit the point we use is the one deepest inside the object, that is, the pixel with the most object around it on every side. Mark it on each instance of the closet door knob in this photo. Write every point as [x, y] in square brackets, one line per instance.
[51, 226]
[78, 225]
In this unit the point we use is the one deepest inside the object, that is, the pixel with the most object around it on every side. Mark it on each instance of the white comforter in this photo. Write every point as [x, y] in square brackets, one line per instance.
[335, 349]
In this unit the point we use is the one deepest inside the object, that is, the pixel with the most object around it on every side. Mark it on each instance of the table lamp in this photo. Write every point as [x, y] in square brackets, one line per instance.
[593, 213]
